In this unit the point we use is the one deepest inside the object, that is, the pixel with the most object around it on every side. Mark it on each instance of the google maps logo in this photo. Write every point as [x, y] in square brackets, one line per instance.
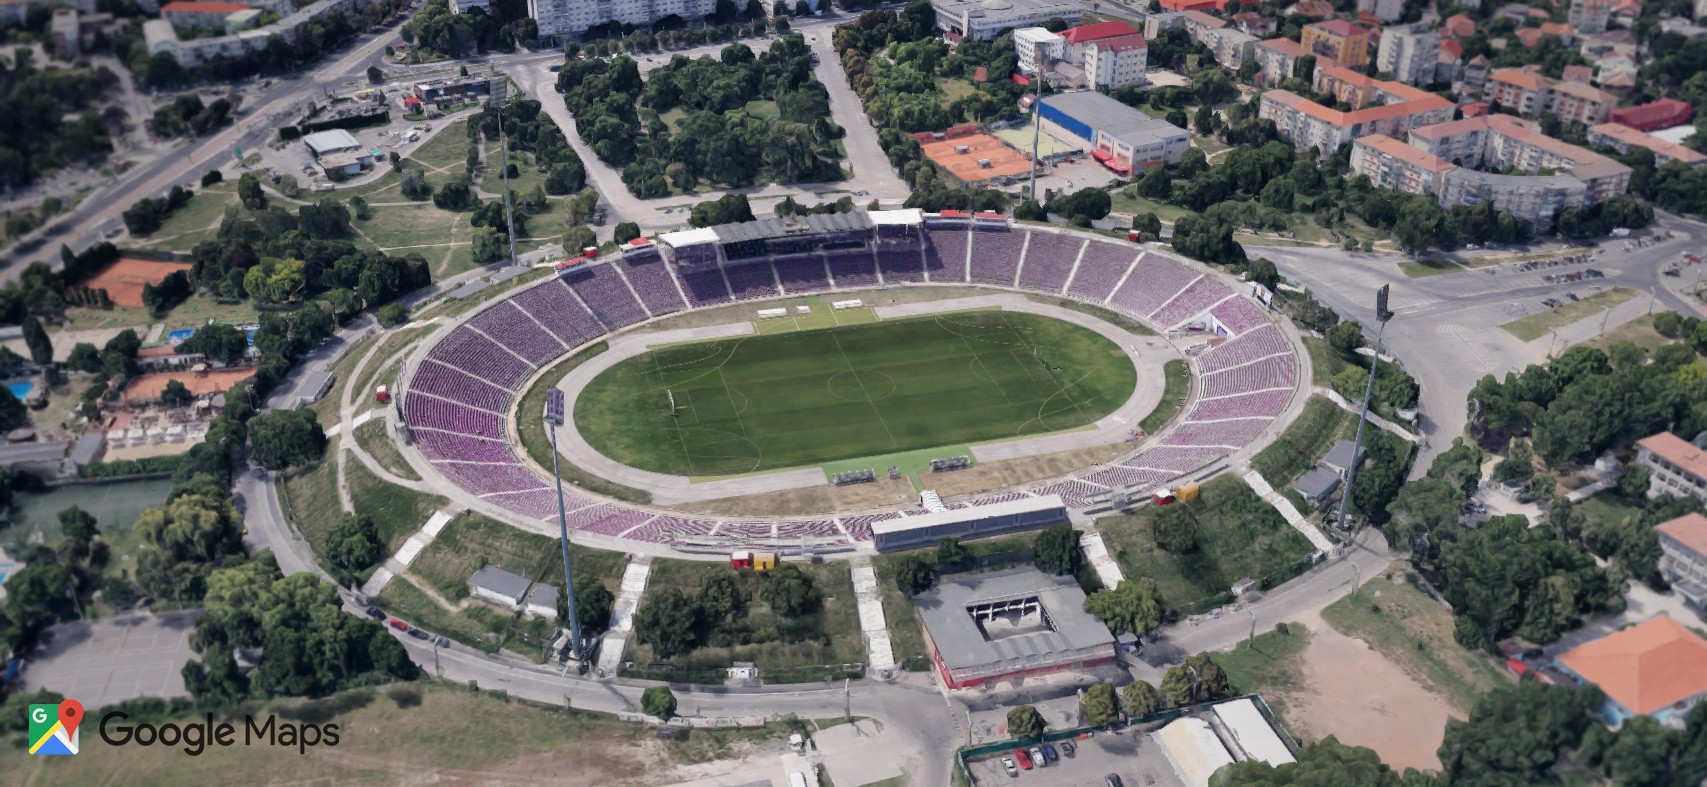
[53, 728]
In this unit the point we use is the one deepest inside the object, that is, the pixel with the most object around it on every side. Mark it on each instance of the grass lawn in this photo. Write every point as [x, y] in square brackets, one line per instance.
[1303, 443]
[1128, 201]
[1270, 665]
[417, 728]
[1538, 325]
[195, 311]
[310, 498]
[1238, 536]
[473, 540]
[476, 624]
[446, 153]
[1415, 632]
[1175, 385]
[1611, 508]
[1324, 362]
[372, 438]
[906, 638]
[537, 442]
[775, 643]
[818, 396]
[954, 89]
[396, 511]
[1417, 269]
[1639, 332]
[195, 221]
[408, 226]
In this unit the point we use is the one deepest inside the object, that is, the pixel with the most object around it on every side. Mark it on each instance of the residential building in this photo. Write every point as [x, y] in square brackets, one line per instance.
[1449, 66]
[1315, 9]
[1343, 41]
[1476, 74]
[13, 12]
[1573, 102]
[1410, 53]
[160, 36]
[1157, 24]
[1655, 115]
[1307, 124]
[1590, 16]
[1485, 147]
[65, 34]
[568, 18]
[1458, 27]
[1392, 164]
[1532, 198]
[1523, 91]
[1230, 47]
[246, 19]
[1581, 75]
[1655, 668]
[1122, 138]
[1037, 48]
[1197, 23]
[1384, 10]
[1676, 467]
[1193, 5]
[1279, 59]
[1683, 557]
[1077, 40]
[195, 15]
[978, 20]
[1116, 62]
[1256, 24]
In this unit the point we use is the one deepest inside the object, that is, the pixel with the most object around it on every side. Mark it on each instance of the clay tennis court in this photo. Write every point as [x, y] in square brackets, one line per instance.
[150, 386]
[1004, 161]
[124, 278]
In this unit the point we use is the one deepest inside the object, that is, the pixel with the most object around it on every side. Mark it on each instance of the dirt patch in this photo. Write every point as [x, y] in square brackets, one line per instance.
[123, 280]
[1355, 694]
[149, 386]
[808, 500]
[1008, 472]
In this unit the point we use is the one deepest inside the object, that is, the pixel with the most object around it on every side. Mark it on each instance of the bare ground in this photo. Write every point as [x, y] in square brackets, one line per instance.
[807, 500]
[1008, 472]
[744, 311]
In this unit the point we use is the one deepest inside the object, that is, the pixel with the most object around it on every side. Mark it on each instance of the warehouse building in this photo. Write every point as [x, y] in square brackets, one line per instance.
[983, 20]
[1122, 138]
[984, 628]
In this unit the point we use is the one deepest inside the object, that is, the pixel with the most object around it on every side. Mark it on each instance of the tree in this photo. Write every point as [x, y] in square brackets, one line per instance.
[721, 597]
[1175, 529]
[1325, 762]
[1131, 607]
[1199, 679]
[790, 591]
[392, 315]
[667, 621]
[374, 75]
[658, 701]
[84, 358]
[950, 552]
[625, 232]
[176, 394]
[1156, 184]
[1633, 483]
[217, 341]
[1101, 706]
[1024, 723]
[352, 544]
[1346, 338]
[1139, 699]
[914, 575]
[1057, 550]
[286, 438]
[593, 605]
[77, 524]
[35, 336]
[1515, 734]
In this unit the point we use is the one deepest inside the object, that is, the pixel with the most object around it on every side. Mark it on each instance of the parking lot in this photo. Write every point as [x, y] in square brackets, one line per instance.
[1130, 754]
[130, 656]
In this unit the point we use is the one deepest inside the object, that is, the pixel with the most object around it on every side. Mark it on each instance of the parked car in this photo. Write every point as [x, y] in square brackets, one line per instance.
[441, 641]
[1049, 755]
[1112, 780]
[398, 624]
[1037, 757]
[1009, 766]
[1024, 759]
[417, 633]
[376, 613]
[1067, 749]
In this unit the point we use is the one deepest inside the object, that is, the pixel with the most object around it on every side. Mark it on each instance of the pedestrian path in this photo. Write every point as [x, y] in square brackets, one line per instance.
[407, 553]
[1096, 553]
[364, 417]
[1384, 424]
[622, 615]
[879, 653]
[1296, 520]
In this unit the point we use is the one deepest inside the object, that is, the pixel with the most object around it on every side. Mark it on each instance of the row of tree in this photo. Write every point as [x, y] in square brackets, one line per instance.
[674, 623]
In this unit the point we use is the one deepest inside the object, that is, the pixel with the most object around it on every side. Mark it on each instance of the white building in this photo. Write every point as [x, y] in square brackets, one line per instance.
[1410, 53]
[1037, 48]
[1230, 47]
[563, 18]
[1589, 17]
[1384, 10]
[1116, 62]
[983, 20]
[463, 6]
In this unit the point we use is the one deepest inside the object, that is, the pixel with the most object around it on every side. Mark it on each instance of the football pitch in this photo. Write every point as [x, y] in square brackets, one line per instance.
[808, 397]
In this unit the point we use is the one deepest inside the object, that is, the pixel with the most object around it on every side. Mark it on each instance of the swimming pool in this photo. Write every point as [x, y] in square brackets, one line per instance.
[174, 337]
[22, 388]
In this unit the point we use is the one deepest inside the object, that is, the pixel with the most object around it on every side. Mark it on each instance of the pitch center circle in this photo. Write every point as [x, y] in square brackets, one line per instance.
[861, 385]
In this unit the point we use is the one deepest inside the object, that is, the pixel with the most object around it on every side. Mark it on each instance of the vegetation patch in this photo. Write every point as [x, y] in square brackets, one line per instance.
[1303, 444]
[373, 438]
[1538, 325]
[1415, 631]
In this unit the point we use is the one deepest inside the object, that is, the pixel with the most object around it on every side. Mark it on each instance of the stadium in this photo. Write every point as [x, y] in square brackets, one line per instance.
[460, 390]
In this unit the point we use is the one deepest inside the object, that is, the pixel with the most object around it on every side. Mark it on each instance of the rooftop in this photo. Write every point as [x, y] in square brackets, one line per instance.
[1112, 117]
[1644, 668]
[1087, 33]
[1340, 27]
[322, 142]
[1663, 110]
[1428, 102]
[1641, 139]
[1204, 20]
[1285, 46]
[1410, 155]
[1677, 451]
[1690, 530]
[499, 581]
[191, 7]
[1586, 92]
[962, 642]
[815, 224]
[1520, 77]
[1121, 43]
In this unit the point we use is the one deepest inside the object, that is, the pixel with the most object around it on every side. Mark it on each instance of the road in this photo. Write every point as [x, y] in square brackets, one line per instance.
[1446, 327]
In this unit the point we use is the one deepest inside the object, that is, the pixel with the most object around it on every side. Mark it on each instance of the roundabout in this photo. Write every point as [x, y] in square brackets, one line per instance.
[462, 388]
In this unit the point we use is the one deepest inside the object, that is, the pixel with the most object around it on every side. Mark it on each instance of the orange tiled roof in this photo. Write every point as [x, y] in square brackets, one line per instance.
[1689, 530]
[1646, 667]
[1406, 153]
[1519, 77]
[1677, 451]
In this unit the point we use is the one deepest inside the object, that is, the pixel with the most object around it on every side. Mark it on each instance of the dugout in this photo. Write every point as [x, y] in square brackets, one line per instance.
[995, 519]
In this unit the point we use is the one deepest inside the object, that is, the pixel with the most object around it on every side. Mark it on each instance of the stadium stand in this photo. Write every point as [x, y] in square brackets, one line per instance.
[752, 281]
[1049, 261]
[852, 269]
[1152, 283]
[802, 274]
[1195, 300]
[705, 288]
[557, 309]
[604, 291]
[448, 382]
[900, 264]
[995, 254]
[1260, 343]
[945, 254]
[1100, 270]
[1240, 315]
[506, 324]
[653, 281]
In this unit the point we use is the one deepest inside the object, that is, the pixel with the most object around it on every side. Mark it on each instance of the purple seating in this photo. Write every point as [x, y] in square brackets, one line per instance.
[1176, 459]
[1265, 403]
[1119, 476]
[705, 287]
[1154, 282]
[1101, 270]
[428, 412]
[447, 446]
[451, 383]
[1240, 315]
[1076, 493]
[507, 325]
[802, 274]
[606, 520]
[1195, 300]
[900, 264]
[1005, 497]
[853, 268]
[859, 527]
[1049, 261]
[817, 528]
[663, 529]
[483, 479]
[556, 308]
[1260, 343]
[945, 254]
[602, 287]
[479, 356]
[995, 255]
[1276, 372]
[651, 278]
[536, 503]
[752, 280]
[746, 531]
[1231, 434]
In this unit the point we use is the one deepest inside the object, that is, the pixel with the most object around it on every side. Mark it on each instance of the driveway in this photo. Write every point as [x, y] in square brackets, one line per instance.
[108, 661]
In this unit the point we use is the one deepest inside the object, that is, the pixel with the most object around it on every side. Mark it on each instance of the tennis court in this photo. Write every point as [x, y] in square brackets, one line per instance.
[123, 280]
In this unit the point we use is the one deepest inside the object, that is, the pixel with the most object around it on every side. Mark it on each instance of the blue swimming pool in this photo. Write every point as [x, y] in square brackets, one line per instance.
[181, 334]
[21, 389]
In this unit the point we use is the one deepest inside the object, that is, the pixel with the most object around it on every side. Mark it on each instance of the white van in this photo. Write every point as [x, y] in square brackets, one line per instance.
[797, 779]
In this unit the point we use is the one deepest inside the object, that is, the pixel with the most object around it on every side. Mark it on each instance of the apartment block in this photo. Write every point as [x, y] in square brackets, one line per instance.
[1307, 124]
[1384, 10]
[1231, 47]
[1676, 467]
[565, 18]
[1486, 149]
[1523, 91]
[1077, 41]
[1346, 43]
[1392, 164]
[1279, 58]
[978, 20]
[1655, 115]
[1590, 16]
[1532, 94]
[1579, 103]
[1683, 557]
[198, 16]
[1037, 48]
[1410, 53]
[1116, 62]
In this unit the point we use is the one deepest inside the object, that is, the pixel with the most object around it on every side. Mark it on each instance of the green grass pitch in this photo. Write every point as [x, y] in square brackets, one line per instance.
[808, 397]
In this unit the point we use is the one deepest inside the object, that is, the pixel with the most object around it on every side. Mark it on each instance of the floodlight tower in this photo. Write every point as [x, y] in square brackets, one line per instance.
[553, 420]
[1382, 315]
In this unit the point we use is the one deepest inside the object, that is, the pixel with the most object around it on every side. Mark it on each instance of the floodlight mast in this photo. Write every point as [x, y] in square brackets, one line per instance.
[554, 419]
[1382, 315]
